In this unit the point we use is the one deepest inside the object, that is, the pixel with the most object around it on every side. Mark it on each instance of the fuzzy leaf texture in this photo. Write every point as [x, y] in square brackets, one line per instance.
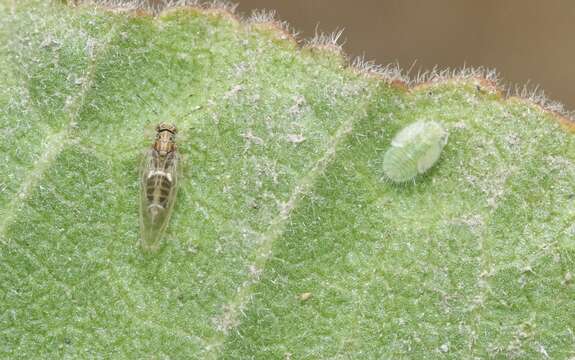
[286, 241]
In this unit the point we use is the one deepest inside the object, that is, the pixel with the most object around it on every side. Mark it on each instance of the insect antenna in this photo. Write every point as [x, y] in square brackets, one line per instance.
[194, 109]
[148, 105]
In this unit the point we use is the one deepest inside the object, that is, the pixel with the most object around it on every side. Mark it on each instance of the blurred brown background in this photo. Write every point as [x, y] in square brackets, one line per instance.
[525, 40]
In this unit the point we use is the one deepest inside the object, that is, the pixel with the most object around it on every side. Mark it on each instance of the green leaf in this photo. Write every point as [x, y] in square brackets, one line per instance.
[286, 240]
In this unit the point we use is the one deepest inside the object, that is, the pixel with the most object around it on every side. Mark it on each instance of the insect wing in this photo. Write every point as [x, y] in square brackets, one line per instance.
[159, 186]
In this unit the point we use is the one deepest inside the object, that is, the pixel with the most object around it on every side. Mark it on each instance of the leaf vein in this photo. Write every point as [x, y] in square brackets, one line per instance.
[54, 145]
[263, 252]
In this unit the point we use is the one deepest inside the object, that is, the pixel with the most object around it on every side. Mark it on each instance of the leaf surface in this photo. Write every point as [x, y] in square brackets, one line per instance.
[282, 194]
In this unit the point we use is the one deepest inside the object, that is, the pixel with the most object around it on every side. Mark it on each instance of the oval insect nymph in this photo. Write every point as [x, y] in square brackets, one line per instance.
[159, 179]
[414, 150]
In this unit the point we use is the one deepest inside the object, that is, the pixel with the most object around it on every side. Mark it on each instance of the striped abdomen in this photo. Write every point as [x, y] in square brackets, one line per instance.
[159, 185]
[158, 188]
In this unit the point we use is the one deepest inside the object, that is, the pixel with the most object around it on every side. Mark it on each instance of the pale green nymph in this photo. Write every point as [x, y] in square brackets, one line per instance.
[414, 150]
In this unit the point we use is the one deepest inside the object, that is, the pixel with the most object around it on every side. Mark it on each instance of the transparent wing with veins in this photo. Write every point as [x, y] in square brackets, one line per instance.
[159, 179]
